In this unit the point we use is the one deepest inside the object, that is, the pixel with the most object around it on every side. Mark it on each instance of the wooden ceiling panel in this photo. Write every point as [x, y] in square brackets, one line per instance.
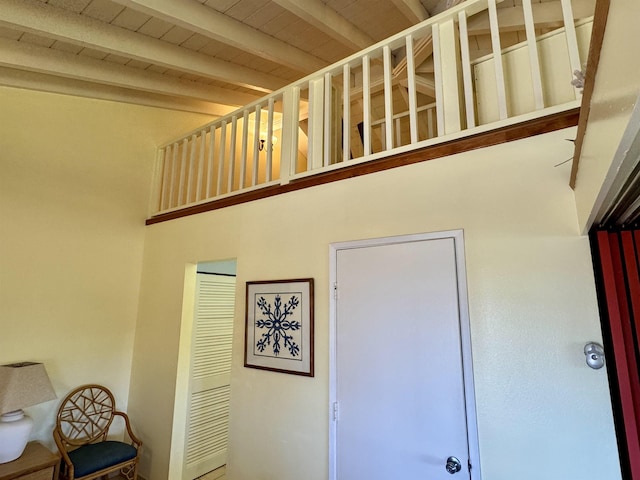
[10, 33]
[207, 49]
[244, 9]
[278, 23]
[155, 28]
[157, 69]
[264, 15]
[130, 19]
[103, 10]
[66, 47]
[117, 59]
[92, 53]
[38, 40]
[212, 48]
[76, 6]
[196, 42]
[138, 64]
[332, 51]
[177, 35]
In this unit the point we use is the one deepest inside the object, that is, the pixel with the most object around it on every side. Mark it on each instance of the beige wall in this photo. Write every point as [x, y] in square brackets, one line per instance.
[617, 89]
[74, 186]
[542, 413]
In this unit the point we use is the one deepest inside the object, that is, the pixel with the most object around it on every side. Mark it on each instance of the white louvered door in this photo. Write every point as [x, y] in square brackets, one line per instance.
[208, 415]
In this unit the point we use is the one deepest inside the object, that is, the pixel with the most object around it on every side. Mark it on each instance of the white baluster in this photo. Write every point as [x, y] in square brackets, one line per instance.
[346, 112]
[411, 85]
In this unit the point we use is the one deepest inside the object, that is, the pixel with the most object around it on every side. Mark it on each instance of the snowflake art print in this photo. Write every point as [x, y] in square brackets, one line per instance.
[279, 326]
[276, 327]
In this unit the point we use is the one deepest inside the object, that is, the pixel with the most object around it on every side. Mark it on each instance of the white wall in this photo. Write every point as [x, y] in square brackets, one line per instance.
[542, 413]
[74, 186]
[616, 91]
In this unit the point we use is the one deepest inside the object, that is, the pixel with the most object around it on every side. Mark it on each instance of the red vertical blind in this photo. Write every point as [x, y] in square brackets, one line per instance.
[619, 267]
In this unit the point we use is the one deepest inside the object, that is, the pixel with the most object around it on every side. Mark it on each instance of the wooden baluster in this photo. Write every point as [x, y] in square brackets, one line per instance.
[346, 113]
[469, 102]
[366, 104]
[221, 155]
[411, 87]
[534, 61]
[388, 99]
[183, 172]
[232, 153]
[243, 154]
[497, 60]
[269, 142]
[210, 159]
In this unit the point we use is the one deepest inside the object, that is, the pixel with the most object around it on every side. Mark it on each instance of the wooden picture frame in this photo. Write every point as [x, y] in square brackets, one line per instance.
[279, 326]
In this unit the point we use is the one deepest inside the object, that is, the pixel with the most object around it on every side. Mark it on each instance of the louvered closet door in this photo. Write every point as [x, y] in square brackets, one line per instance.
[208, 416]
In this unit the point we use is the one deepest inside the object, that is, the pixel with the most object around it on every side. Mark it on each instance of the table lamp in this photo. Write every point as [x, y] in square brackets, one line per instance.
[21, 385]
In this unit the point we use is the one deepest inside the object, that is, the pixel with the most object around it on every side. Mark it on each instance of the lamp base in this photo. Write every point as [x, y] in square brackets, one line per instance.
[15, 428]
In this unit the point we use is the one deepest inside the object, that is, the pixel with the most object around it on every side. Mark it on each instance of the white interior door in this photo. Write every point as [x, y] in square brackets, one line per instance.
[398, 388]
[208, 411]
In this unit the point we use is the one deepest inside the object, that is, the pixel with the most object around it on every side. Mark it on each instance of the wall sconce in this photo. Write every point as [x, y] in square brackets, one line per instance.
[262, 143]
[21, 385]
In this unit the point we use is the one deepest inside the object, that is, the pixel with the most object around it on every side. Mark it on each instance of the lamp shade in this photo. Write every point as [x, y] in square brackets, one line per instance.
[23, 385]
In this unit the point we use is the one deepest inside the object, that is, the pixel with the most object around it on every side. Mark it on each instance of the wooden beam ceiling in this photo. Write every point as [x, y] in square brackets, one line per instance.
[45, 60]
[194, 16]
[37, 17]
[329, 21]
[212, 55]
[412, 9]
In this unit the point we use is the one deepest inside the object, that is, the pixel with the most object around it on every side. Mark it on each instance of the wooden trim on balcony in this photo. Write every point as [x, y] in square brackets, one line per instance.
[593, 59]
[518, 131]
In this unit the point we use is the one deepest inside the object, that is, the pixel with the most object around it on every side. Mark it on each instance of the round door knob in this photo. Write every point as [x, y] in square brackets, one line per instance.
[453, 465]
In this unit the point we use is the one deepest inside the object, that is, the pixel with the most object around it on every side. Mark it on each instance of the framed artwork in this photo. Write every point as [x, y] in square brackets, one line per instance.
[279, 326]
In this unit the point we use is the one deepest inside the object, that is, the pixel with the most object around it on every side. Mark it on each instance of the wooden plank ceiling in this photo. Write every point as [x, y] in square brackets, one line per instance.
[207, 56]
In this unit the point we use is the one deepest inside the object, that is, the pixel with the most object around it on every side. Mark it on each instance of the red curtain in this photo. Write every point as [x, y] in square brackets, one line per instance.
[617, 261]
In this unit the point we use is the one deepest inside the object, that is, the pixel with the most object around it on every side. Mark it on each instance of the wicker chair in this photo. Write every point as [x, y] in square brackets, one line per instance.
[81, 432]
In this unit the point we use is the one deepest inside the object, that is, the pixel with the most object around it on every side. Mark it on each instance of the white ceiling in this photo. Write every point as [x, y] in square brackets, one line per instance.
[209, 56]
[200, 55]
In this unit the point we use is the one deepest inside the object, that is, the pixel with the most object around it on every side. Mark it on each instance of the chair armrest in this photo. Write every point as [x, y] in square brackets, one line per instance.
[63, 452]
[135, 441]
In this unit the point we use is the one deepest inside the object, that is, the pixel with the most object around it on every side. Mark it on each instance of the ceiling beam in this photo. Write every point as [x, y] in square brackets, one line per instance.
[546, 15]
[66, 26]
[33, 58]
[327, 20]
[196, 17]
[412, 9]
[426, 86]
[11, 77]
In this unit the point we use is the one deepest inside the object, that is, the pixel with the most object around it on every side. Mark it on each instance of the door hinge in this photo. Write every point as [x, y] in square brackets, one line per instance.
[335, 291]
[469, 464]
[336, 411]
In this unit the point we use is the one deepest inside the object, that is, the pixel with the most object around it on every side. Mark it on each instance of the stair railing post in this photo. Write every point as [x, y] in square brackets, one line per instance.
[448, 73]
[316, 124]
[290, 121]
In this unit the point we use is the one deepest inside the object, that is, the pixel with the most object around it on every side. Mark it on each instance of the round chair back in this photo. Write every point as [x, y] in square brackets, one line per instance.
[86, 414]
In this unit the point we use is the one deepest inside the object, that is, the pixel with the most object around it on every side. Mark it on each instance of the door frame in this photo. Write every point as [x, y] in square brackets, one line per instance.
[465, 335]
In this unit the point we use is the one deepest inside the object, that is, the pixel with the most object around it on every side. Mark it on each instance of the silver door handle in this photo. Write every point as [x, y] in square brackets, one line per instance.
[453, 465]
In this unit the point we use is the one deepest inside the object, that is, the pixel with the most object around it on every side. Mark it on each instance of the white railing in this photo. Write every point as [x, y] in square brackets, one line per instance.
[380, 102]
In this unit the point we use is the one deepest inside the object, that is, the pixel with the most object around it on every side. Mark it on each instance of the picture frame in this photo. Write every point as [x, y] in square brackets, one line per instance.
[279, 326]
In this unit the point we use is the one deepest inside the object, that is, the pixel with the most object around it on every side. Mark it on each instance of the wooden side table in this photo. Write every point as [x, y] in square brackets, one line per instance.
[35, 463]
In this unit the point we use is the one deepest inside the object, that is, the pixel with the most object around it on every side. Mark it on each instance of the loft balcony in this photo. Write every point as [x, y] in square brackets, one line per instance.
[454, 78]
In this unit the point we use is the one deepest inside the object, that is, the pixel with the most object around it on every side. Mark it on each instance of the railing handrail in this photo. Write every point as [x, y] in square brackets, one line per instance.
[471, 7]
[363, 107]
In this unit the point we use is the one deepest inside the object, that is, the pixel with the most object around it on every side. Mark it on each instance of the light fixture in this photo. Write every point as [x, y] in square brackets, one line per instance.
[21, 385]
[263, 140]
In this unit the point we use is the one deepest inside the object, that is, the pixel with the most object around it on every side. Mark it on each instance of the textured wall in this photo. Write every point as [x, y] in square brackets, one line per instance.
[532, 309]
[74, 186]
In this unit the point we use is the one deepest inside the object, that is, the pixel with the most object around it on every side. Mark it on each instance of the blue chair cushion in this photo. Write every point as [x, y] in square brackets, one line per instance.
[96, 456]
